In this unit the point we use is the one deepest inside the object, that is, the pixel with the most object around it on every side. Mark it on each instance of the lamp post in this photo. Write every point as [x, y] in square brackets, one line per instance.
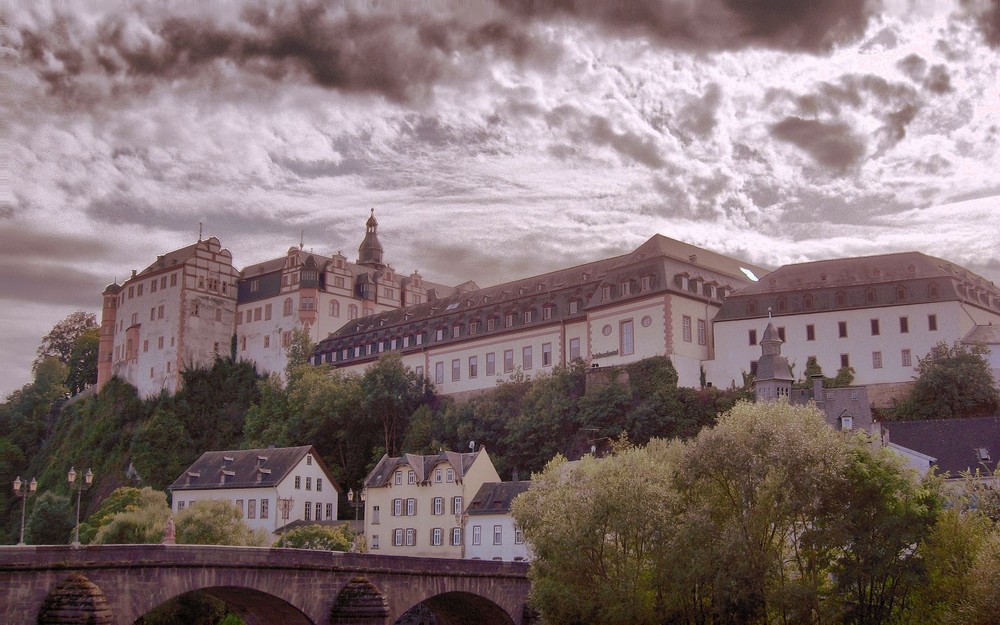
[24, 490]
[88, 479]
[357, 501]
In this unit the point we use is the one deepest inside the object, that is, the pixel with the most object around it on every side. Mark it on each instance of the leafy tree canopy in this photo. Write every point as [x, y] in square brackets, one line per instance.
[62, 338]
[216, 522]
[952, 381]
[319, 537]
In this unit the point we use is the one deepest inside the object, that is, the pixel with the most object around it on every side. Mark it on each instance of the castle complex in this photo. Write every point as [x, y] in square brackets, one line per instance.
[704, 310]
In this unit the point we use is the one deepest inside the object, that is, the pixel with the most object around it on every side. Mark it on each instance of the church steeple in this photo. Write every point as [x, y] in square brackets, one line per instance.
[370, 251]
[774, 375]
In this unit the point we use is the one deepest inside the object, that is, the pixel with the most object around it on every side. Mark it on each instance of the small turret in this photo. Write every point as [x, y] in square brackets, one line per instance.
[774, 376]
[370, 251]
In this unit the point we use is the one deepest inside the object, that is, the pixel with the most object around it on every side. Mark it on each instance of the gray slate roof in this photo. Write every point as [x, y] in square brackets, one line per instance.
[423, 466]
[954, 443]
[496, 497]
[246, 468]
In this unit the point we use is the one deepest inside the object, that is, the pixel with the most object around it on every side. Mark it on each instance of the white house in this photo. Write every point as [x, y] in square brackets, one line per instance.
[271, 487]
[491, 532]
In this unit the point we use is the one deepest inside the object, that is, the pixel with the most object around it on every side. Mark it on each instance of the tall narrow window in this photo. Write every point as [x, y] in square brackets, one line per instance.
[546, 354]
[627, 337]
[904, 325]
[473, 366]
[702, 338]
[526, 357]
[574, 348]
[932, 323]
[876, 360]
[752, 336]
[491, 363]
[907, 359]
[842, 329]
[810, 332]
[875, 327]
[456, 369]
[508, 360]
[439, 373]
[686, 328]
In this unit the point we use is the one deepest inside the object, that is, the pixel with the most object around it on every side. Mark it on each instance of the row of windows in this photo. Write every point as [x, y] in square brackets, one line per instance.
[408, 507]
[440, 476]
[136, 290]
[875, 326]
[408, 537]
[905, 356]
[298, 483]
[841, 298]
[702, 331]
[527, 363]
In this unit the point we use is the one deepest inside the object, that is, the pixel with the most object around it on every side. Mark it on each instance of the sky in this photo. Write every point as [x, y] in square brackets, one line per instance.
[495, 140]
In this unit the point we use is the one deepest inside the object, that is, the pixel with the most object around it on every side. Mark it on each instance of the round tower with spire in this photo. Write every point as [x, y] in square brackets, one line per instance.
[774, 375]
[370, 251]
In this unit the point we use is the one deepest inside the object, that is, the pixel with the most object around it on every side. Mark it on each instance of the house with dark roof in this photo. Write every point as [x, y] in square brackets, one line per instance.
[414, 503]
[875, 314]
[950, 446]
[271, 487]
[491, 532]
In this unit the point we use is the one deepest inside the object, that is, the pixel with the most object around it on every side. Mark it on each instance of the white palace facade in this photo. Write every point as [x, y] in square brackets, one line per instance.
[704, 310]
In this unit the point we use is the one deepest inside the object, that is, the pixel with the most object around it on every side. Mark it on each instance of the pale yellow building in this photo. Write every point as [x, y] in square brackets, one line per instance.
[415, 504]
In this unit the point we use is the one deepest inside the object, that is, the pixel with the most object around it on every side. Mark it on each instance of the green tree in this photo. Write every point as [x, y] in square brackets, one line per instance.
[298, 351]
[391, 393]
[216, 522]
[600, 530]
[83, 361]
[120, 500]
[951, 382]
[319, 537]
[51, 521]
[63, 337]
[142, 522]
[266, 421]
[161, 448]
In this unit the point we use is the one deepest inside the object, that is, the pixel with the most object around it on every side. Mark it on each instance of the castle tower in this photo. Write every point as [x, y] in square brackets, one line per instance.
[105, 349]
[774, 376]
[370, 251]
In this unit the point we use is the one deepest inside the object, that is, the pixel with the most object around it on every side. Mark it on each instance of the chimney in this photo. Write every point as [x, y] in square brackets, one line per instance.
[818, 396]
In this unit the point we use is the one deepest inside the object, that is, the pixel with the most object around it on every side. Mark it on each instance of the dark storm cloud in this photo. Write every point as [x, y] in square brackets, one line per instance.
[47, 283]
[935, 79]
[789, 24]
[400, 51]
[987, 15]
[830, 144]
[18, 243]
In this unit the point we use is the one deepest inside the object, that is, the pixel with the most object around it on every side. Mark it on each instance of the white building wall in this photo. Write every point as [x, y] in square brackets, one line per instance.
[954, 320]
[498, 539]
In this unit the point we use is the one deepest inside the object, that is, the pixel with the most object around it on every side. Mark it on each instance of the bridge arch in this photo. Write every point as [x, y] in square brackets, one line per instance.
[253, 606]
[458, 608]
[75, 600]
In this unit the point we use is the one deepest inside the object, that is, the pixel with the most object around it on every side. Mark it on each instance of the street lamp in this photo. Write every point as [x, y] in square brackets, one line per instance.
[24, 490]
[359, 503]
[88, 479]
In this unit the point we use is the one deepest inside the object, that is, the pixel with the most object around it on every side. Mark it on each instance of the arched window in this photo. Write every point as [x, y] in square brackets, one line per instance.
[334, 308]
[932, 290]
[752, 307]
[841, 298]
[782, 304]
[807, 301]
[870, 296]
[352, 311]
[287, 310]
[900, 293]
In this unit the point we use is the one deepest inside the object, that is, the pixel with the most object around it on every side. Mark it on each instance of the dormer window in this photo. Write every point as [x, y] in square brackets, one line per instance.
[645, 283]
[846, 423]
[841, 298]
[626, 287]
[606, 292]
[870, 296]
[807, 301]
[982, 454]
[933, 291]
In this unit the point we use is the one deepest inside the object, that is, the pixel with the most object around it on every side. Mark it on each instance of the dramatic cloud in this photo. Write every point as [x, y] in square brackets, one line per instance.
[987, 14]
[831, 144]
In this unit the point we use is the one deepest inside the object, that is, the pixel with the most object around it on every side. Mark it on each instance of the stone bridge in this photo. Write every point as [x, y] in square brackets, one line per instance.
[116, 584]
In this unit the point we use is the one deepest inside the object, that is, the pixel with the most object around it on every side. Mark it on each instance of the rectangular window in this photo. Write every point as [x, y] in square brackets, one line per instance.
[508, 320]
[319, 511]
[932, 323]
[436, 537]
[456, 369]
[473, 366]
[411, 506]
[251, 508]
[438, 505]
[526, 357]
[498, 534]
[239, 506]
[845, 360]
[876, 360]
[411, 477]
[904, 325]
[298, 482]
[439, 373]
[397, 538]
[842, 329]
[456, 536]
[574, 307]
[473, 327]
[518, 536]
[173, 279]
[375, 515]
[752, 335]
[145, 345]
[491, 363]
[477, 535]
[319, 484]
[702, 338]
[264, 508]
[159, 343]
[527, 316]
[810, 332]
[267, 312]
[508, 360]
[628, 337]
[159, 311]
[574, 348]
[546, 354]
[686, 328]
[152, 314]
[439, 334]
[491, 324]
[907, 359]
[267, 341]
[456, 505]
[180, 506]
[411, 537]
[547, 312]
[374, 541]
[309, 483]
[308, 512]
[876, 330]
[397, 507]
